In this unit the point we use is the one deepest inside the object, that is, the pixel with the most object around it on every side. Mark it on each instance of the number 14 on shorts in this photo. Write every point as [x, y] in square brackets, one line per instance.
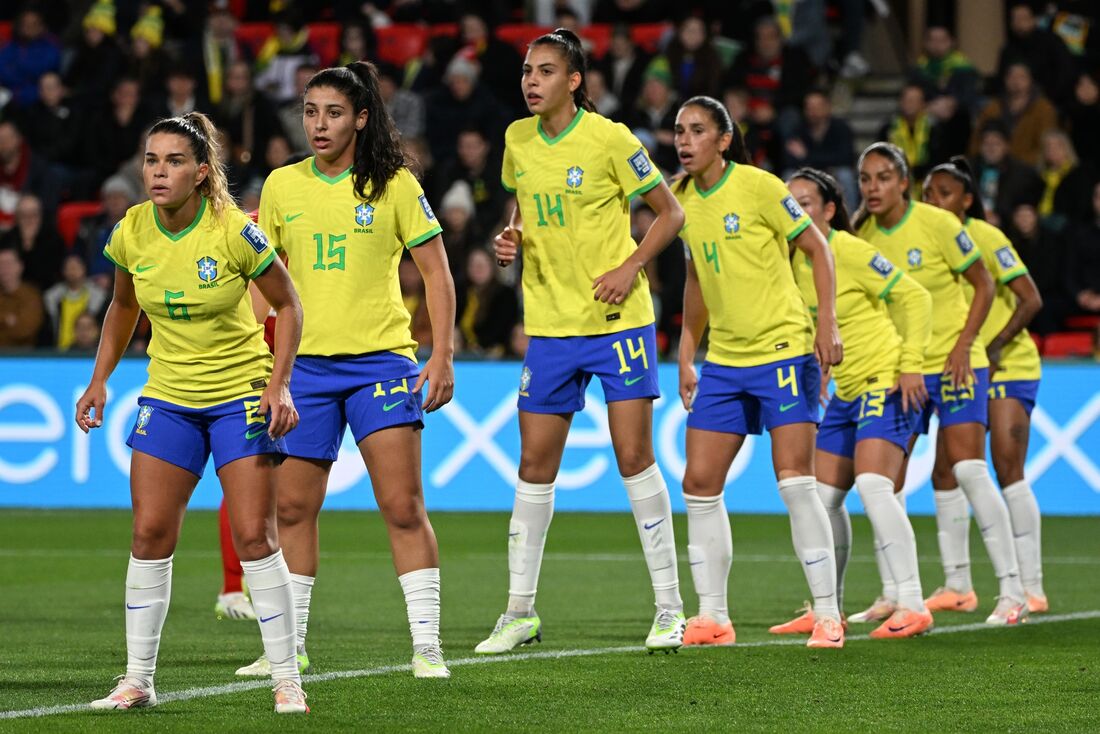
[635, 352]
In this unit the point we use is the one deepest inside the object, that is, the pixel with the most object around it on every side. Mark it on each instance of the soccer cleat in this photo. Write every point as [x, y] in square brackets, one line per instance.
[803, 624]
[704, 629]
[128, 693]
[289, 697]
[428, 662]
[511, 632]
[903, 623]
[949, 600]
[262, 669]
[1008, 611]
[1037, 604]
[667, 632]
[234, 605]
[879, 610]
[828, 632]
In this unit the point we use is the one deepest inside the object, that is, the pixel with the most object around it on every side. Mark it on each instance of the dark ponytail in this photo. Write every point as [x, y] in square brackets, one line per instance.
[567, 42]
[897, 159]
[378, 152]
[736, 152]
[959, 169]
[202, 136]
[830, 191]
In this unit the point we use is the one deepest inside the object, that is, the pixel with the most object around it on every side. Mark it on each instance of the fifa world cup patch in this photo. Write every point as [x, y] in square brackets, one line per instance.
[1006, 258]
[426, 207]
[255, 237]
[640, 163]
[966, 245]
[793, 209]
[881, 265]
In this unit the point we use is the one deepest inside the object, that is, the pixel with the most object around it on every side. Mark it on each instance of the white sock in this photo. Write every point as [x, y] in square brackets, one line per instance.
[953, 534]
[269, 584]
[1026, 523]
[991, 512]
[653, 516]
[710, 552]
[422, 603]
[301, 587]
[148, 591]
[894, 535]
[531, 515]
[813, 541]
[833, 499]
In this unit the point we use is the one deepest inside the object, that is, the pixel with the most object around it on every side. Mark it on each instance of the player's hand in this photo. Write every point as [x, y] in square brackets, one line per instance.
[95, 397]
[957, 366]
[993, 352]
[506, 246]
[439, 373]
[823, 391]
[689, 381]
[278, 406]
[615, 285]
[828, 348]
[914, 394]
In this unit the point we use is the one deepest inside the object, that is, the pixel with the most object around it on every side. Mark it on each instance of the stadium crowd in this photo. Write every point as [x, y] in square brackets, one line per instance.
[81, 81]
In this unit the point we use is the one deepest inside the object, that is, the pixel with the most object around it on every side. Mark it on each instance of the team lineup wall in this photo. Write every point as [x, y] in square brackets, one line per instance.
[471, 446]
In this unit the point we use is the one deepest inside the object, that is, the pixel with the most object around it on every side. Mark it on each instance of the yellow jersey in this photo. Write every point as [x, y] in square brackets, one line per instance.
[1020, 357]
[874, 352]
[932, 246]
[736, 233]
[573, 193]
[206, 347]
[343, 255]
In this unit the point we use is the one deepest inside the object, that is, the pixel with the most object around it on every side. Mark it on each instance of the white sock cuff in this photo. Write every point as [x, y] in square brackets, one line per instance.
[301, 580]
[537, 494]
[703, 504]
[832, 497]
[645, 484]
[970, 469]
[797, 485]
[267, 573]
[146, 574]
[1021, 487]
[872, 485]
[423, 578]
[948, 496]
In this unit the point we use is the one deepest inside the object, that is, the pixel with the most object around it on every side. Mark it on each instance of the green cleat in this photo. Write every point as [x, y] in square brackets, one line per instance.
[262, 669]
[667, 633]
[510, 633]
[428, 662]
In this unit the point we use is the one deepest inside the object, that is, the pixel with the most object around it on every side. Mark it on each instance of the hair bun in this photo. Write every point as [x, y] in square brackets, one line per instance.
[568, 35]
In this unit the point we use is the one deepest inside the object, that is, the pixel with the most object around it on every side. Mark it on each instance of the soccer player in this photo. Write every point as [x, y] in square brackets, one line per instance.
[932, 246]
[760, 366]
[185, 258]
[343, 218]
[1016, 369]
[879, 395]
[589, 313]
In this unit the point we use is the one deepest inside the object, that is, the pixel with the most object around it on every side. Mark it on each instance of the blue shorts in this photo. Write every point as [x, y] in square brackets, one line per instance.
[875, 414]
[957, 405]
[557, 369]
[740, 399]
[1026, 391]
[368, 392]
[187, 437]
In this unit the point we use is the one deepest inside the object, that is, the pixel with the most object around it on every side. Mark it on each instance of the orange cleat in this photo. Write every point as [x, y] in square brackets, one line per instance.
[704, 629]
[828, 632]
[903, 623]
[1037, 604]
[880, 609]
[949, 600]
[803, 624]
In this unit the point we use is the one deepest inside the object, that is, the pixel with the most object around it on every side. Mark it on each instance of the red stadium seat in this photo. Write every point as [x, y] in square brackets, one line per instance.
[253, 35]
[325, 39]
[400, 43]
[5, 31]
[599, 35]
[518, 35]
[1068, 344]
[1083, 323]
[69, 216]
[443, 29]
[649, 35]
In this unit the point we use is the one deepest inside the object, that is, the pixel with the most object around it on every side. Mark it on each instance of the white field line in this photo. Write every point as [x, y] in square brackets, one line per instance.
[189, 694]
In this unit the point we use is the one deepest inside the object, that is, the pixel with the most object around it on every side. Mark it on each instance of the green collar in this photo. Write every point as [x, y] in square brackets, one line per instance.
[177, 236]
[718, 184]
[829, 239]
[328, 179]
[568, 128]
[908, 211]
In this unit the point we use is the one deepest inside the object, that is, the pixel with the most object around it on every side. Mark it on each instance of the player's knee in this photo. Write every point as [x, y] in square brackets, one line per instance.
[1008, 470]
[153, 540]
[699, 485]
[293, 511]
[535, 469]
[943, 478]
[254, 541]
[405, 514]
[634, 460]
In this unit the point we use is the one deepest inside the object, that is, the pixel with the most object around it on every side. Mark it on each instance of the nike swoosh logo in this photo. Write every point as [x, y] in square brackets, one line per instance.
[143, 268]
[955, 408]
[274, 616]
[834, 639]
[784, 408]
[819, 560]
[986, 528]
[131, 606]
[512, 535]
[696, 563]
[647, 526]
[520, 174]
[631, 380]
[863, 424]
[291, 217]
[390, 406]
[251, 433]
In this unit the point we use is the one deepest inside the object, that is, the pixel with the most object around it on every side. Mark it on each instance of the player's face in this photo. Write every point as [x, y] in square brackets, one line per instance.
[809, 198]
[947, 192]
[697, 139]
[330, 123]
[171, 173]
[547, 83]
[880, 185]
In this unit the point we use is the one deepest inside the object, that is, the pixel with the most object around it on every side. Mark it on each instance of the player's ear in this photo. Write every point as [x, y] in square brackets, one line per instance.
[361, 119]
[829, 210]
[724, 142]
[201, 173]
[574, 81]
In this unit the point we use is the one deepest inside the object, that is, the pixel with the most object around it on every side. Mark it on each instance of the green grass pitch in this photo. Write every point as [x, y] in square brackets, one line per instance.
[62, 640]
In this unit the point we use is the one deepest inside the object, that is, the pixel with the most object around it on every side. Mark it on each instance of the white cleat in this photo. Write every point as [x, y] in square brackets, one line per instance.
[128, 693]
[667, 633]
[234, 605]
[289, 697]
[880, 610]
[511, 632]
[259, 669]
[1008, 611]
[428, 662]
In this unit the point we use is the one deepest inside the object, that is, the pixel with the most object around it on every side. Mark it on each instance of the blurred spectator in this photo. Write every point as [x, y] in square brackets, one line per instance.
[912, 130]
[607, 104]
[653, 118]
[853, 64]
[96, 61]
[803, 26]
[1084, 118]
[22, 172]
[405, 107]
[500, 63]
[1083, 266]
[1003, 181]
[31, 52]
[825, 142]
[357, 42]
[36, 241]
[85, 334]
[180, 98]
[1043, 252]
[246, 115]
[53, 128]
[460, 235]
[630, 12]
[290, 112]
[67, 300]
[118, 195]
[460, 104]
[1067, 184]
[950, 81]
[149, 63]
[1024, 111]
[220, 49]
[666, 275]
[132, 171]
[776, 78]
[282, 54]
[115, 132]
[487, 310]
[1041, 51]
[479, 168]
[762, 141]
[623, 67]
[693, 61]
[20, 304]
[412, 295]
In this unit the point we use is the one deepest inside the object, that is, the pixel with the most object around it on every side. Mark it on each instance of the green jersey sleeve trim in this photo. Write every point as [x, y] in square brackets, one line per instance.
[890, 286]
[424, 237]
[968, 261]
[1012, 275]
[646, 188]
[262, 266]
[115, 262]
[799, 230]
[507, 188]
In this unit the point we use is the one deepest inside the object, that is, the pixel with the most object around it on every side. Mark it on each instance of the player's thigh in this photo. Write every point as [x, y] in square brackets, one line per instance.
[793, 450]
[833, 469]
[159, 491]
[300, 486]
[542, 442]
[1009, 432]
[709, 457]
[879, 456]
[249, 487]
[631, 424]
[961, 442]
[392, 456]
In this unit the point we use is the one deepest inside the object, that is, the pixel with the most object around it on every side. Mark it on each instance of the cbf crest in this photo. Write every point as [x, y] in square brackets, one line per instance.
[574, 177]
[144, 414]
[732, 222]
[524, 380]
[364, 215]
[208, 269]
[915, 258]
